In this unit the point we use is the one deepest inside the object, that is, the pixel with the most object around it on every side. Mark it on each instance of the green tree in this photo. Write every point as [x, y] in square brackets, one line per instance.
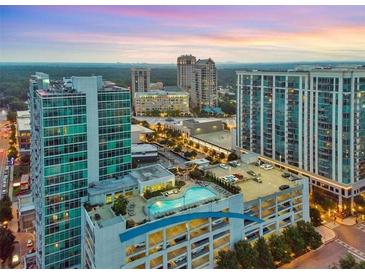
[247, 256]
[145, 124]
[265, 259]
[6, 243]
[280, 249]
[12, 153]
[178, 148]
[361, 265]
[11, 117]
[232, 156]
[309, 234]
[5, 209]
[348, 262]
[315, 216]
[295, 240]
[196, 174]
[120, 205]
[227, 260]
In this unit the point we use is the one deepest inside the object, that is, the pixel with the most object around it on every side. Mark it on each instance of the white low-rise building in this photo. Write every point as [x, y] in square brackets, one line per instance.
[161, 101]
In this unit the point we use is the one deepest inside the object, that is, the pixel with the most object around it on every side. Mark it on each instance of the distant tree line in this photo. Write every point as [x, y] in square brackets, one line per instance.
[15, 78]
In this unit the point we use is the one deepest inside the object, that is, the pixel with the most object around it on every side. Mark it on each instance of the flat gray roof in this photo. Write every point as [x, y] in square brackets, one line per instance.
[112, 185]
[25, 203]
[221, 139]
[139, 128]
[151, 172]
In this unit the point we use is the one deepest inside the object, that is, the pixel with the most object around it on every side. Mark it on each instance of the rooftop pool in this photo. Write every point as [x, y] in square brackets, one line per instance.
[191, 196]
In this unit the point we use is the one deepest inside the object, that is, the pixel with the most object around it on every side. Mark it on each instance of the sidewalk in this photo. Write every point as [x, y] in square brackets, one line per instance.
[327, 234]
[347, 221]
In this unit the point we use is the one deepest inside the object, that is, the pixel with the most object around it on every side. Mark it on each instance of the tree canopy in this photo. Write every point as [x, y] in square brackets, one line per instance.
[6, 243]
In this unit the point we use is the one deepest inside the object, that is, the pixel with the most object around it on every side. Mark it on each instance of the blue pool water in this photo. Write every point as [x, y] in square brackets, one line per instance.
[192, 195]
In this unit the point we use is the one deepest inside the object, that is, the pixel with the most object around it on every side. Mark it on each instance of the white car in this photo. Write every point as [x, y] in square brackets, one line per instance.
[29, 243]
[140, 245]
[180, 259]
[267, 166]
[223, 166]
[199, 249]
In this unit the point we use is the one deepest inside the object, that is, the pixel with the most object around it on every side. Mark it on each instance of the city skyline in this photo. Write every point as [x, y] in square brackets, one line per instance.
[158, 34]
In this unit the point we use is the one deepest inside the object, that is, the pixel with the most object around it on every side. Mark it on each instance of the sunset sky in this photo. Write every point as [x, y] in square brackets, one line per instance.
[158, 34]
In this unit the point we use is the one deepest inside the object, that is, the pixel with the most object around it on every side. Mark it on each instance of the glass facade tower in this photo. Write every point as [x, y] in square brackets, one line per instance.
[68, 155]
[312, 119]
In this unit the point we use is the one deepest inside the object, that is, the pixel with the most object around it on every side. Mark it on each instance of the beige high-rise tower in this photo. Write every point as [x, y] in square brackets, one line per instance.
[204, 84]
[185, 67]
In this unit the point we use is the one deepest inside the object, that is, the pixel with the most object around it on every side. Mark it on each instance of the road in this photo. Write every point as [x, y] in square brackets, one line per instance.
[21, 248]
[350, 239]
[4, 144]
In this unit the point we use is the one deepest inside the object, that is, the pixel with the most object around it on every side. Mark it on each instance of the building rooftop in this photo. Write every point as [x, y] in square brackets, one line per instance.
[143, 148]
[25, 203]
[222, 139]
[23, 120]
[139, 128]
[305, 69]
[161, 92]
[23, 114]
[172, 88]
[204, 61]
[110, 185]
[104, 216]
[251, 190]
[148, 173]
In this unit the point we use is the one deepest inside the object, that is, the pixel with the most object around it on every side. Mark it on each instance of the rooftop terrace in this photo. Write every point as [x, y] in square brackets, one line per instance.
[271, 180]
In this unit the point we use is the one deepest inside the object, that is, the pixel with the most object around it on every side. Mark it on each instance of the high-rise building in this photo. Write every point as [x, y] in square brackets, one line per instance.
[141, 79]
[185, 68]
[313, 119]
[204, 84]
[80, 135]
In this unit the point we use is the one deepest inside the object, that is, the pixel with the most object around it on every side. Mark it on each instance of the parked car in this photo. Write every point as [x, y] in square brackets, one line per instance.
[283, 187]
[238, 176]
[267, 166]
[286, 175]
[29, 243]
[258, 179]
[143, 244]
[252, 173]
[224, 166]
[180, 239]
[180, 259]
[199, 249]
[234, 164]
[217, 222]
[293, 178]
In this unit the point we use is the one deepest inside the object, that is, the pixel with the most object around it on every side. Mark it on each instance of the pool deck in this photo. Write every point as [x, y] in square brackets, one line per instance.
[141, 203]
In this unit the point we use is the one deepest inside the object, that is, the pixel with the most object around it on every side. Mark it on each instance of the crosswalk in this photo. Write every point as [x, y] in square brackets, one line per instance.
[361, 227]
[354, 251]
[331, 225]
